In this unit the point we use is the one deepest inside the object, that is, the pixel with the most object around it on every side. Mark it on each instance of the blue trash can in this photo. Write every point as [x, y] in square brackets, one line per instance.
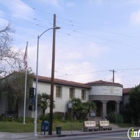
[44, 126]
[58, 130]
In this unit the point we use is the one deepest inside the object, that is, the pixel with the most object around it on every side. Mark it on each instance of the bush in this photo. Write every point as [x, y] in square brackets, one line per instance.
[59, 116]
[44, 118]
[115, 118]
[126, 113]
[67, 116]
[27, 119]
[7, 118]
[2, 116]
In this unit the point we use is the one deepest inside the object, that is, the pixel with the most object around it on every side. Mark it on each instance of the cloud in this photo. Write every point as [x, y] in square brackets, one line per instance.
[18, 8]
[70, 4]
[95, 50]
[92, 2]
[68, 65]
[69, 55]
[78, 71]
[55, 3]
[3, 23]
[2, 13]
[133, 2]
[135, 18]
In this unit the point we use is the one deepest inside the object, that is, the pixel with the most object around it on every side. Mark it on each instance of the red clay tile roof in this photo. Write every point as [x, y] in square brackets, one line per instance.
[126, 90]
[62, 82]
[101, 82]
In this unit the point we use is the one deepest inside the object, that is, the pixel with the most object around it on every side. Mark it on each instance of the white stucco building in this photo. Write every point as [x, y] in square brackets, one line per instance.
[106, 95]
[64, 91]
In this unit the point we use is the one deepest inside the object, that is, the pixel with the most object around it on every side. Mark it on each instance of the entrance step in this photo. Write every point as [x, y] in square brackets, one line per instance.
[114, 125]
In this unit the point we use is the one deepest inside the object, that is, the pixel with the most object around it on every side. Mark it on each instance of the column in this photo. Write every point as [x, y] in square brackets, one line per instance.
[104, 108]
[118, 107]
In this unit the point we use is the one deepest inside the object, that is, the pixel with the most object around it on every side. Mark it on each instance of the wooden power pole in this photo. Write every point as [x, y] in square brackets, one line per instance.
[52, 77]
[113, 74]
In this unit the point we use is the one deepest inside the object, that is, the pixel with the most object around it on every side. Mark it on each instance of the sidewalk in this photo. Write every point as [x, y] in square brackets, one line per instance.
[8, 136]
[81, 132]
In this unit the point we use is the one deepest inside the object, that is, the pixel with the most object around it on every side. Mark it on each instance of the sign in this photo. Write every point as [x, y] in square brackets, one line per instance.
[69, 105]
[32, 100]
[92, 114]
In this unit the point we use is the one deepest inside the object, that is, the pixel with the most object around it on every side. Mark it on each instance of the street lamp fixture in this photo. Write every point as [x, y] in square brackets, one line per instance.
[36, 91]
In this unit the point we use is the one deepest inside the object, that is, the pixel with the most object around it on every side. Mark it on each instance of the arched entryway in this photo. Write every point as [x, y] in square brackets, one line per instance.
[99, 108]
[111, 107]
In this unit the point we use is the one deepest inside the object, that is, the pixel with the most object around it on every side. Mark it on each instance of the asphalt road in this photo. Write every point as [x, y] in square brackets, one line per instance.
[108, 136]
[99, 136]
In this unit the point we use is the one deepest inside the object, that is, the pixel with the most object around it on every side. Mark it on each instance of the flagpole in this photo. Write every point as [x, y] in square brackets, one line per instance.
[25, 62]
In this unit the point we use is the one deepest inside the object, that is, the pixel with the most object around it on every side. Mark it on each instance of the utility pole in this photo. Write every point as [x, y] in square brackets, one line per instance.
[113, 74]
[52, 77]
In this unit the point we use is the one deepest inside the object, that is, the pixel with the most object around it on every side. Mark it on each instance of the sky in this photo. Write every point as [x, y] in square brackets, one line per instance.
[96, 37]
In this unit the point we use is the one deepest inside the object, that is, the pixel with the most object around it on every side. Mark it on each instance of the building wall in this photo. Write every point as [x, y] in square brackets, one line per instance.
[60, 102]
[104, 94]
[100, 92]
[106, 90]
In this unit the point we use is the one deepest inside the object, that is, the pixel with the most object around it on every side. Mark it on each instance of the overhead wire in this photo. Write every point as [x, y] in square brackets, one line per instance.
[76, 24]
[114, 47]
[79, 24]
[95, 71]
[35, 19]
[69, 34]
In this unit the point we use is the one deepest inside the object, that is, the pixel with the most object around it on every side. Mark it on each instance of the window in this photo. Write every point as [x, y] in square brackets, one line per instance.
[83, 94]
[71, 93]
[58, 91]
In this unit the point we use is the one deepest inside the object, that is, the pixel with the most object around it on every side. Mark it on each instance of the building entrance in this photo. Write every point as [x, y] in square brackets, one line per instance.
[111, 107]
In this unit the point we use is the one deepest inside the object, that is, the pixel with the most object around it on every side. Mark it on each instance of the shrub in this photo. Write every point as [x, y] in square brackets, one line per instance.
[67, 116]
[2, 116]
[115, 118]
[44, 118]
[59, 116]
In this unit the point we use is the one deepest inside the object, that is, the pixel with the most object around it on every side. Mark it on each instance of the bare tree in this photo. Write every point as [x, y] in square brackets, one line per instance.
[9, 59]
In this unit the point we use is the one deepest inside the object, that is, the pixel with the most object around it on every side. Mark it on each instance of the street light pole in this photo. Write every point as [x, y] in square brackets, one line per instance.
[36, 91]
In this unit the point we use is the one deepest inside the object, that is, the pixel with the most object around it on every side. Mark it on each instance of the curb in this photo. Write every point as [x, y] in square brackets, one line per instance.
[80, 134]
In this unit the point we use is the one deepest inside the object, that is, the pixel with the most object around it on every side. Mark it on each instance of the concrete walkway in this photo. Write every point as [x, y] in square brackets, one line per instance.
[14, 136]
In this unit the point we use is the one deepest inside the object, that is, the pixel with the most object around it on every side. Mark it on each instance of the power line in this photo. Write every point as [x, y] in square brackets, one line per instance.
[114, 47]
[36, 24]
[78, 24]
[35, 19]
[95, 71]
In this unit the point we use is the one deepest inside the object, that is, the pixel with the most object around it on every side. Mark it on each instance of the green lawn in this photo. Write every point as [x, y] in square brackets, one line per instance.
[125, 125]
[29, 127]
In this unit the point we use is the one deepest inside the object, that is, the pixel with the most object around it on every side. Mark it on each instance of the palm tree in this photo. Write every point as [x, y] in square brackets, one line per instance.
[43, 102]
[81, 110]
[90, 106]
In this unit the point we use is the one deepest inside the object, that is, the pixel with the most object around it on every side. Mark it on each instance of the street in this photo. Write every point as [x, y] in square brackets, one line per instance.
[107, 136]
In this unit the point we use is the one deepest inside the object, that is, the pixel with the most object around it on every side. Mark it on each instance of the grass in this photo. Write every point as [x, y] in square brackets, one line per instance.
[29, 127]
[125, 124]
[76, 125]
